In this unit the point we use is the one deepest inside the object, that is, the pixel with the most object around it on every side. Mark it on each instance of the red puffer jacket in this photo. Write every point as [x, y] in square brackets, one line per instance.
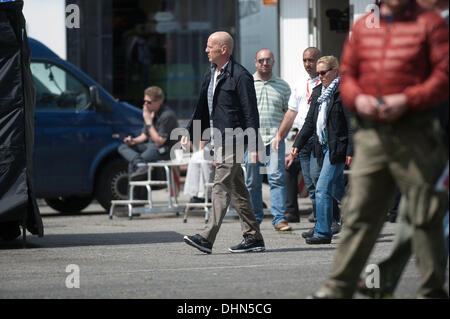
[409, 55]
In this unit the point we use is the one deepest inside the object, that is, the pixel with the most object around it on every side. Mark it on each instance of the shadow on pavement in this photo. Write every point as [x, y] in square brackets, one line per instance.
[107, 239]
[313, 248]
[81, 214]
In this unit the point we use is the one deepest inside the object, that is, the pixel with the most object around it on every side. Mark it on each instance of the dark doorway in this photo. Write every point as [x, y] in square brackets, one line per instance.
[162, 43]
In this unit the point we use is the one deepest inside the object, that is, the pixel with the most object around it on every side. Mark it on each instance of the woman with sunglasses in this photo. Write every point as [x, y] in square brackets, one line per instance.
[328, 121]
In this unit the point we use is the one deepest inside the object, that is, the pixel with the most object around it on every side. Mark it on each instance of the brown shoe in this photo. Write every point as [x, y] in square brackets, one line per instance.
[283, 226]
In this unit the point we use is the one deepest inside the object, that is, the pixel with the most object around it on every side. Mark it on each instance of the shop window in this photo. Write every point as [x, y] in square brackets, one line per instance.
[162, 43]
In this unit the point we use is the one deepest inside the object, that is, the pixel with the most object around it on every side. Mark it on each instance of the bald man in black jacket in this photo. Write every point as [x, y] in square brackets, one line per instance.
[227, 105]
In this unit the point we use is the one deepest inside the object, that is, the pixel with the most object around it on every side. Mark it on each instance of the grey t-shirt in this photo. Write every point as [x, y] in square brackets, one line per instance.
[164, 122]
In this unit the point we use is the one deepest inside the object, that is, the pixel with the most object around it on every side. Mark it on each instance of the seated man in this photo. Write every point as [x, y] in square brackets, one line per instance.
[154, 142]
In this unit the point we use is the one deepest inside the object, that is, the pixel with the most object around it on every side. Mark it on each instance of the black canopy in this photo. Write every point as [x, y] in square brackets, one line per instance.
[17, 101]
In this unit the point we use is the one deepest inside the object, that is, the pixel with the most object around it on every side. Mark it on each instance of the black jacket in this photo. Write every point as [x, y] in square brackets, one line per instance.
[234, 103]
[338, 128]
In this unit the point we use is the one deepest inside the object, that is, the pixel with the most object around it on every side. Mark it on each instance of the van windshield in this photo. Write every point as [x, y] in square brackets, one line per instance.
[57, 89]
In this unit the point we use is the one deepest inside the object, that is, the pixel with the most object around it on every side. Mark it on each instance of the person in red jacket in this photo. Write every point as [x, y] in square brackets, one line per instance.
[392, 75]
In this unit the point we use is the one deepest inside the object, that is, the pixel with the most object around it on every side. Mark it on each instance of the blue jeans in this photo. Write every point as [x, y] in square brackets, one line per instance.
[339, 186]
[275, 175]
[310, 169]
[141, 153]
[329, 185]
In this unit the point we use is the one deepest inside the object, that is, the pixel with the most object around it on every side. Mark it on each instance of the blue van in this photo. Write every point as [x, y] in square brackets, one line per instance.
[78, 127]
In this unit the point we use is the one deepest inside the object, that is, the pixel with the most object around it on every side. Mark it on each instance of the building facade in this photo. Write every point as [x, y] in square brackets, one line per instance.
[127, 45]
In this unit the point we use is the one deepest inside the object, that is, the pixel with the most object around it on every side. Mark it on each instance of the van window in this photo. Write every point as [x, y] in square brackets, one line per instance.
[58, 90]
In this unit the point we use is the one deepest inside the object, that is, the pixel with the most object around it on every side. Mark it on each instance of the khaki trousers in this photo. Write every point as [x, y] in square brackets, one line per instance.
[392, 267]
[408, 154]
[229, 187]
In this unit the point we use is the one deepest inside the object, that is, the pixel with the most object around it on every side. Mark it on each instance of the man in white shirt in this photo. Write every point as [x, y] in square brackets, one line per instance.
[295, 117]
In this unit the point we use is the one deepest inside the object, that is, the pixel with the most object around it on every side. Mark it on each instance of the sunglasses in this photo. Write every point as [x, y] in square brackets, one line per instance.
[322, 73]
[147, 102]
[268, 60]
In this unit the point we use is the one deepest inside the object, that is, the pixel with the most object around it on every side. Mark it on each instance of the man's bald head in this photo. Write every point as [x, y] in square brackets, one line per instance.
[264, 52]
[219, 48]
[224, 38]
[264, 62]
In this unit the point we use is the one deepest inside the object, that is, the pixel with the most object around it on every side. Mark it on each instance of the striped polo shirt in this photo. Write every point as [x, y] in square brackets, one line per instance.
[273, 97]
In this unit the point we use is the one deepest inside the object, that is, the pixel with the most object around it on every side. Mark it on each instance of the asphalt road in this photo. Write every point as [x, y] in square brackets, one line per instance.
[147, 258]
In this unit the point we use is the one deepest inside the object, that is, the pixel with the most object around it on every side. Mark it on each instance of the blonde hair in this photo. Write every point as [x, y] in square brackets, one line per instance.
[154, 92]
[331, 61]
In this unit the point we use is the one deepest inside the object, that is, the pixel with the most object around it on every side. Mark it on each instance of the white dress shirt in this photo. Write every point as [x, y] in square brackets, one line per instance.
[300, 99]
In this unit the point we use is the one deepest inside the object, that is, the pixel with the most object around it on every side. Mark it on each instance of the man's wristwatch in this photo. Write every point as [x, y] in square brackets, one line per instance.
[148, 126]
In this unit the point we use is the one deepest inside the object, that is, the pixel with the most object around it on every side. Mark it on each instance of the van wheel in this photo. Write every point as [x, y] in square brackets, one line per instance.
[112, 183]
[69, 204]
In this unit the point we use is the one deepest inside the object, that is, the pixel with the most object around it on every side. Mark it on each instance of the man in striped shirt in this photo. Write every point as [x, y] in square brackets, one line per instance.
[272, 94]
